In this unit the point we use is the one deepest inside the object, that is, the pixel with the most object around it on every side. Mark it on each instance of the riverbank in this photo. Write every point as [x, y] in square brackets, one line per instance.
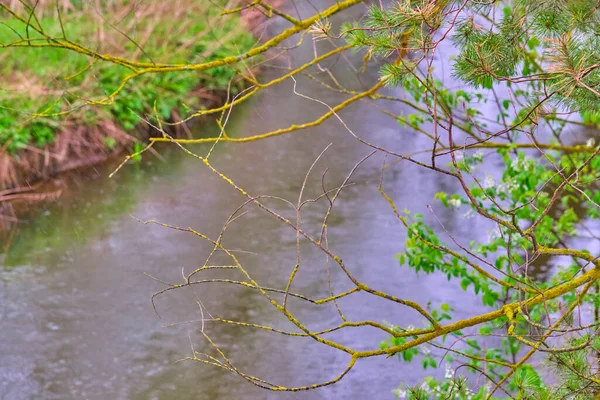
[49, 123]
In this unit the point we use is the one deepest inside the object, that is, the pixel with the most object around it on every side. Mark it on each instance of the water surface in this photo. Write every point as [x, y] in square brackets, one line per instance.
[75, 311]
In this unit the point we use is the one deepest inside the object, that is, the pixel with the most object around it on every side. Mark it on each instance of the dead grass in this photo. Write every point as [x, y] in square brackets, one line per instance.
[74, 145]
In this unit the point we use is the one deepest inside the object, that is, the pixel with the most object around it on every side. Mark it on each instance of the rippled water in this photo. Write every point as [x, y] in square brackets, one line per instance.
[75, 311]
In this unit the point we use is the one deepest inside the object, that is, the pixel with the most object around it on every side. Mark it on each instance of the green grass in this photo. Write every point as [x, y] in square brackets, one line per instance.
[33, 80]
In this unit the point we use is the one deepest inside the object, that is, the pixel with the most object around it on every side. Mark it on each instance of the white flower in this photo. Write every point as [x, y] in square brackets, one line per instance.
[493, 234]
[502, 187]
[523, 164]
[426, 387]
[515, 164]
[478, 155]
[488, 182]
[410, 328]
[506, 187]
[400, 393]
[455, 203]
[459, 155]
[426, 350]
[449, 372]
[590, 142]
[469, 214]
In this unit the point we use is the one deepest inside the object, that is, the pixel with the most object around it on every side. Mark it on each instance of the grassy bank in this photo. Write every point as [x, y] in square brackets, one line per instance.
[53, 80]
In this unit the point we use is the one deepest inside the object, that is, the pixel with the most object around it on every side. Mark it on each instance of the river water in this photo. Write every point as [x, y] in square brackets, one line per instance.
[75, 312]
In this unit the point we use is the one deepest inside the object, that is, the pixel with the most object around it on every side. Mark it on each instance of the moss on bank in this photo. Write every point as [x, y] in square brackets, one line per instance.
[47, 80]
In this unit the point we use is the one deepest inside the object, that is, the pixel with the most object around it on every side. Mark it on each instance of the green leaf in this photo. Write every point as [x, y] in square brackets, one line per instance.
[485, 330]
[464, 283]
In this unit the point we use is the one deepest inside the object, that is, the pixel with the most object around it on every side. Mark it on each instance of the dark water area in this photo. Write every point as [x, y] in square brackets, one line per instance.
[75, 312]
